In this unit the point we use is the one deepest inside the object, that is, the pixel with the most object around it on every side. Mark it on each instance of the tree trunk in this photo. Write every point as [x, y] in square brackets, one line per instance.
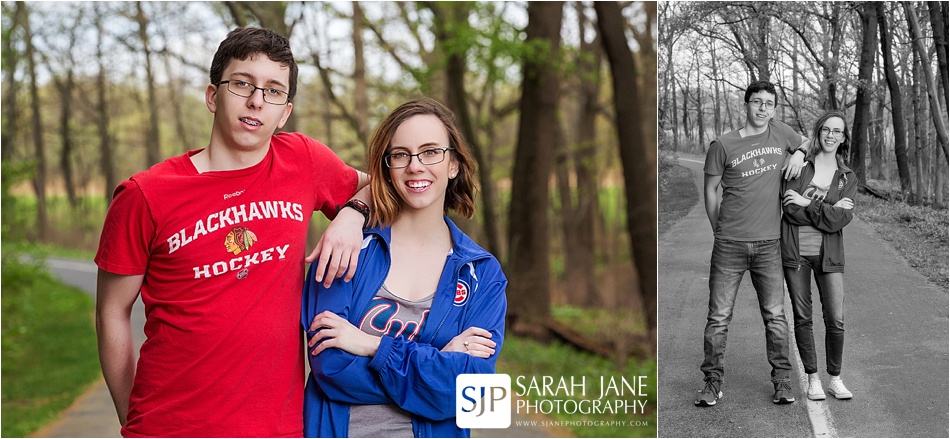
[174, 99]
[687, 131]
[102, 113]
[648, 62]
[897, 104]
[939, 118]
[862, 107]
[636, 154]
[529, 290]
[361, 101]
[152, 149]
[700, 123]
[939, 26]
[39, 145]
[578, 212]
[568, 290]
[878, 149]
[717, 99]
[762, 44]
[670, 85]
[919, 116]
[10, 60]
[831, 72]
[676, 118]
[66, 152]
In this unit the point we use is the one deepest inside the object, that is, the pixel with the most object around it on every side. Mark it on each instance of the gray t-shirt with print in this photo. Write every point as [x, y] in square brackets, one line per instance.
[751, 170]
[397, 317]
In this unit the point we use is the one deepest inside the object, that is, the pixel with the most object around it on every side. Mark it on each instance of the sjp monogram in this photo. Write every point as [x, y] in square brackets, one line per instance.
[483, 401]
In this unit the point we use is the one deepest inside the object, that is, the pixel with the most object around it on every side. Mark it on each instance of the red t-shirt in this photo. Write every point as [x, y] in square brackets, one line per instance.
[222, 253]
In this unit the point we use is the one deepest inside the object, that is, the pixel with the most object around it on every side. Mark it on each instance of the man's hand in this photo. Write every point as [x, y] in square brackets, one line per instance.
[337, 332]
[339, 247]
[794, 164]
[792, 197]
[793, 167]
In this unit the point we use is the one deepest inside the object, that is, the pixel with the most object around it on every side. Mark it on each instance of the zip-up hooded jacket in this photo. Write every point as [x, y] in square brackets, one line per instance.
[414, 375]
[820, 215]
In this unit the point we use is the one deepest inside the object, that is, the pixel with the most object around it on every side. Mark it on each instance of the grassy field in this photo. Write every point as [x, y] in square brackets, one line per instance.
[48, 344]
[521, 357]
[918, 233]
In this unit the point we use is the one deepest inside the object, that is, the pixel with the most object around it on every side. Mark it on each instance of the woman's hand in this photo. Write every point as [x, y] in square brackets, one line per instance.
[845, 203]
[473, 341]
[792, 197]
[337, 332]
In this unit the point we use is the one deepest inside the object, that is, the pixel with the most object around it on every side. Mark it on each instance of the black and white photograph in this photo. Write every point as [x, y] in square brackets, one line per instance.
[803, 143]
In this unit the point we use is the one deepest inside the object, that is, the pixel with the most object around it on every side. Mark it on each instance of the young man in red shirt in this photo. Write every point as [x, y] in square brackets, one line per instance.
[214, 240]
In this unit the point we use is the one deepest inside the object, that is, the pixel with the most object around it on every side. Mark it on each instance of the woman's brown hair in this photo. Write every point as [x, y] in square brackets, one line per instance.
[460, 193]
[815, 144]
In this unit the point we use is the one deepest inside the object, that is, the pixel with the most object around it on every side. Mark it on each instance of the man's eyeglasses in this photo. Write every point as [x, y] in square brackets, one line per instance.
[245, 89]
[760, 103]
[836, 133]
[399, 160]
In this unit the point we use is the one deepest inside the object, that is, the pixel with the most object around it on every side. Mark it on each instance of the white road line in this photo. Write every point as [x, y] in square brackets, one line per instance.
[84, 267]
[818, 413]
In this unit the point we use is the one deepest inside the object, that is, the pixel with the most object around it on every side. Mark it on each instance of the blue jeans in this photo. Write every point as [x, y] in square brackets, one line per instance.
[730, 260]
[831, 293]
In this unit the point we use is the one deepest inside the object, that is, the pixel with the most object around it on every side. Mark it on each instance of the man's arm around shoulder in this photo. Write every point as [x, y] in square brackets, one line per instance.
[115, 295]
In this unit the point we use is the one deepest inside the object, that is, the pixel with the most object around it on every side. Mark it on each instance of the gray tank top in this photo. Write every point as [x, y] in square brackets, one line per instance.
[391, 315]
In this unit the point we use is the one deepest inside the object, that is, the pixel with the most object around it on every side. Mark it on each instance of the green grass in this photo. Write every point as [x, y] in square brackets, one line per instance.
[522, 357]
[67, 226]
[600, 324]
[48, 344]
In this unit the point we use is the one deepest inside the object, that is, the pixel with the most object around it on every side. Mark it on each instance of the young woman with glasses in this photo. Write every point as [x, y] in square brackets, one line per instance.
[817, 206]
[426, 303]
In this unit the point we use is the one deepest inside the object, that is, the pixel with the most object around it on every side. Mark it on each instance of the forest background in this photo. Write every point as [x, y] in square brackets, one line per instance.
[883, 63]
[557, 99]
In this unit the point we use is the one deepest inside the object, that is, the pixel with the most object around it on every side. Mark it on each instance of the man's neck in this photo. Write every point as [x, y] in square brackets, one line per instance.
[752, 130]
[219, 158]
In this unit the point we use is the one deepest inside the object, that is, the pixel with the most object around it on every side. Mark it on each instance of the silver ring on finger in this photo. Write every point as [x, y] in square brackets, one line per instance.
[465, 343]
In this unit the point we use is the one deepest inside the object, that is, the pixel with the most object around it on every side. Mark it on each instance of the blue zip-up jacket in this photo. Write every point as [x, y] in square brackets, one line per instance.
[414, 375]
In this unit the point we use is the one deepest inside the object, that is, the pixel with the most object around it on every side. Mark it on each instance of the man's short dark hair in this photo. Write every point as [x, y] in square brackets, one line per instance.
[758, 86]
[242, 43]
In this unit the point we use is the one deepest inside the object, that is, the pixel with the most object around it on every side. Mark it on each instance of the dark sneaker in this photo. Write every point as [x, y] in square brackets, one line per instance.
[710, 393]
[783, 393]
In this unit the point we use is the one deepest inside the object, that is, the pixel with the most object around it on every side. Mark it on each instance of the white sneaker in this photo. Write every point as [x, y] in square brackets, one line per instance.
[815, 393]
[837, 389]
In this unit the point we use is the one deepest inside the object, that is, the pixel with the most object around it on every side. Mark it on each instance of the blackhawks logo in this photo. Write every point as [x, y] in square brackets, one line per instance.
[239, 239]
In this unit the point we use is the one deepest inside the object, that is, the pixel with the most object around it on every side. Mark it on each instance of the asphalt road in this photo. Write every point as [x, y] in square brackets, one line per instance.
[896, 352]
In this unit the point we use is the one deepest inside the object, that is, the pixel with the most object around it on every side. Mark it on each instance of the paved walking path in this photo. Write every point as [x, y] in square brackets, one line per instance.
[93, 414]
[896, 351]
